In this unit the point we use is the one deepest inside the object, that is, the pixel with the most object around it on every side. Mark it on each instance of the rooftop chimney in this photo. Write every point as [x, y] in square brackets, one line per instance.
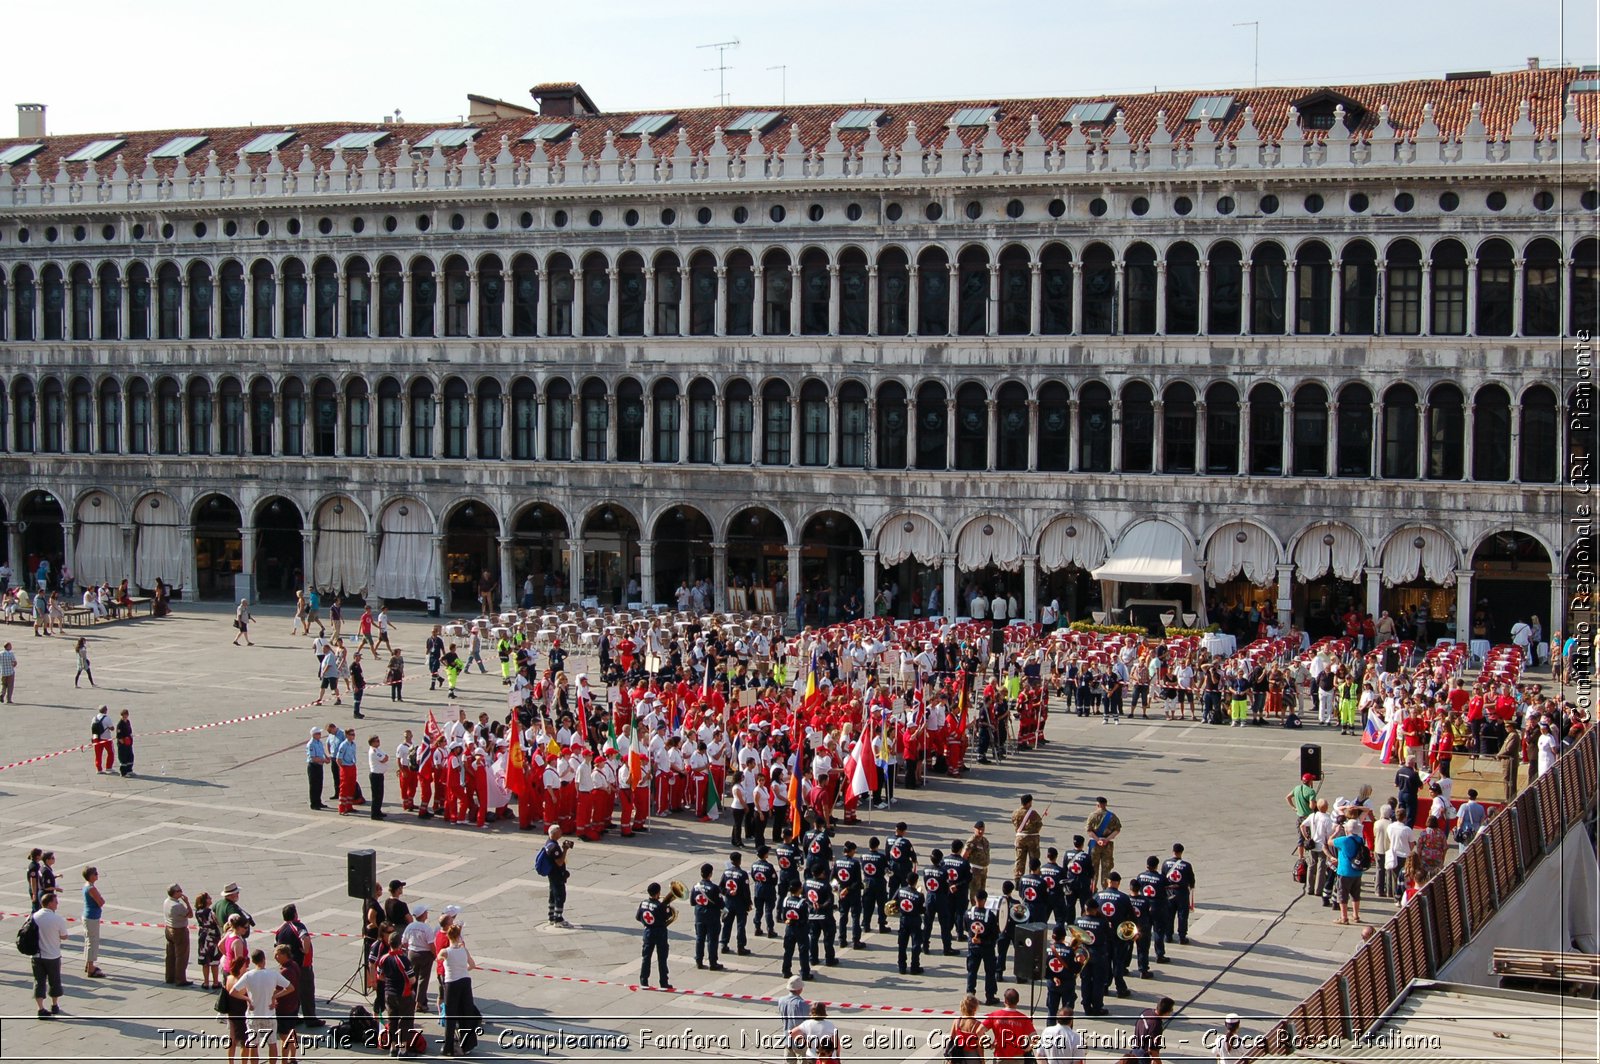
[30, 120]
[563, 99]
[1533, 62]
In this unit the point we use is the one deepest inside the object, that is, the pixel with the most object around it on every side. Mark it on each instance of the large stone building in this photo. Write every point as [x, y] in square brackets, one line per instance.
[1298, 348]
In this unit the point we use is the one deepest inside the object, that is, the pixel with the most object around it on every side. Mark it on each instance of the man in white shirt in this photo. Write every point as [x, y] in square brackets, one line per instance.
[1229, 1048]
[1401, 840]
[377, 771]
[1061, 1043]
[259, 988]
[47, 964]
[817, 1030]
[980, 607]
[1316, 829]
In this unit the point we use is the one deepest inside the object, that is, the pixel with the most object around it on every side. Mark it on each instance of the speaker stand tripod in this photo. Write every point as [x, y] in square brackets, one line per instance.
[357, 983]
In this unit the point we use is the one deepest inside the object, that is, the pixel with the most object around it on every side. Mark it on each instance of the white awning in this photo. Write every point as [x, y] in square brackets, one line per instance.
[909, 536]
[98, 554]
[1240, 547]
[1151, 552]
[989, 540]
[1329, 547]
[408, 564]
[1069, 542]
[1434, 559]
[159, 552]
[341, 557]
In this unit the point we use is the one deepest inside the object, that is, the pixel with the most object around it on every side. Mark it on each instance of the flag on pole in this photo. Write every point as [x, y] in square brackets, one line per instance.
[795, 812]
[862, 768]
[516, 759]
[431, 730]
[813, 700]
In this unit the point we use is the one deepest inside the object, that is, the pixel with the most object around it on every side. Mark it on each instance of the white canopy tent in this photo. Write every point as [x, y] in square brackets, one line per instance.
[1152, 552]
[97, 549]
[408, 564]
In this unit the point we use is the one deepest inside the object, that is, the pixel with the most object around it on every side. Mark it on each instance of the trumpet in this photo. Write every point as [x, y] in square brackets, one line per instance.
[1128, 931]
[1080, 937]
[678, 891]
[1019, 911]
[890, 909]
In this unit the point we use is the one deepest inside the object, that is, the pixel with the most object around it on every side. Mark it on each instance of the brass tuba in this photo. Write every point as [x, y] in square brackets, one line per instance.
[678, 891]
[1019, 911]
[1127, 930]
[891, 909]
[1080, 937]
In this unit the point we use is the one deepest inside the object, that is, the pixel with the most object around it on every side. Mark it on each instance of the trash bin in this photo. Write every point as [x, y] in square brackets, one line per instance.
[244, 586]
[433, 605]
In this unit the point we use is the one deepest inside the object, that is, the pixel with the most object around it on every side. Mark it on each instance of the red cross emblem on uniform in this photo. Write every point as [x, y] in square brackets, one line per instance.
[1057, 964]
[649, 916]
[844, 875]
[1077, 867]
[731, 886]
[791, 915]
[760, 876]
[1108, 909]
[811, 896]
[816, 846]
[784, 862]
[1148, 890]
[977, 929]
[1175, 876]
[702, 899]
[1029, 893]
[906, 905]
[933, 883]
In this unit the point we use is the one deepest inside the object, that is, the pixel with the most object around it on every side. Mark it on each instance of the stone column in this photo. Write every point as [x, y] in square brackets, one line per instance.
[213, 308]
[1201, 437]
[575, 570]
[277, 424]
[438, 304]
[506, 430]
[950, 432]
[308, 559]
[1377, 439]
[1161, 297]
[684, 328]
[407, 295]
[719, 316]
[1423, 438]
[1116, 435]
[793, 577]
[1204, 313]
[914, 306]
[247, 557]
[1379, 313]
[719, 576]
[1516, 297]
[1291, 298]
[1563, 326]
[1158, 449]
[438, 425]
[649, 300]
[1336, 299]
[19, 559]
[831, 459]
[472, 303]
[1374, 590]
[647, 571]
[1119, 323]
[442, 588]
[1425, 310]
[913, 430]
[1074, 437]
[1285, 594]
[991, 442]
[1467, 429]
[991, 308]
[1559, 604]
[506, 296]
[613, 301]
[1035, 297]
[869, 439]
[580, 298]
[833, 299]
[1245, 297]
[1244, 436]
[129, 534]
[794, 300]
[869, 582]
[953, 304]
[1472, 297]
[541, 314]
[1033, 435]
[1030, 587]
[123, 310]
[758, 312]
[872, 301]
[1516, 442]
[1464, 606]
[1286, 440]
[794, 430]
[1333, 438]
[1077, 298]
[613, 430]
[949, 586]
[508, 574]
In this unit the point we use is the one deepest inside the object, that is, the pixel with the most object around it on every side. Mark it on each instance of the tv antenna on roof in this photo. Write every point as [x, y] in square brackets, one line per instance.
[1257, 27]
[783, 83]
[721, 68]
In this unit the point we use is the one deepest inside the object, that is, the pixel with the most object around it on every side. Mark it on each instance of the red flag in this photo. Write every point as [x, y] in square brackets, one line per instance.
[862, 768]
[431, 730]
[794, 806]
[516, 760]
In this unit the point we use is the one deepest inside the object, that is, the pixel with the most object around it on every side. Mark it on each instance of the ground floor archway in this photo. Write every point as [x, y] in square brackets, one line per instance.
[471, 555]
[610, 554]
[539, 556]
[218, 546]
[280, 550]
[1510, 583]
[681, 554]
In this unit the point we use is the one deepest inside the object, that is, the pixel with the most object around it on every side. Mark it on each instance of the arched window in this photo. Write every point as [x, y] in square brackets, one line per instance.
[596, 294]
[1496, 275]
[776, 423]
[1178, 429]
[892, 429]
[230, 417]
[741, 294]
[491, 418]
[110, 297]
[855, 294]
[232, 303]
[1011, 410]
[357, 413]
[1449, 288]
[1099, 291]
[972, 427]
[5, 304]
[933, 292]
[853, 425]
[139, 300]
[391, 418]
[1403, 306]
[558, 420]
[776, 319]
[262, 416]
[558, 309]
[24, 413]
[1016, 291]
[668, 285]
[1094, 428]
[169, 417]
[1183, 289]
[631, 295]
[324, 418]
[814, 284]
[23, 296]
[1267, 268]
[199, 416]
[1055, 291]
[1400, 433]
[1226, 283]
[80, 400]
[1313, 315]
[702, 294]
[1055, 428]
[814, 428]
[391, 293]
[667, 426]
[1138, 428]
[932, 427]
[702, 421]
[200, 295]
[325, 299]
[491, 296]
[972, 302]
[1447, 425]
[139, 416]
[53, 417]
[524, 296]
[1541, 289]
[169, 302]
[894, 293]
[110, 417]
[1491, 432]
[1540, 436]
[457, 297]
[1310, 432]
[424, 298]
[457, 418]
[594, 420]
[1222, 429]
[524, 420]
[294, 417]
[82, 303]
[1586, 287]
[294, 299]
[630, 421]
[263, 296]
[422, 418]
[1139, 279]
[1266, 431]
[55, 302]
[739, 414]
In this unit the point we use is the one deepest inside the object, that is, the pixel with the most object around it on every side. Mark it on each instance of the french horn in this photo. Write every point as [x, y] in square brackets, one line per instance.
[1019, 911]
[678, 892]
[1080, 937]
[1127, 930]
[891, 909]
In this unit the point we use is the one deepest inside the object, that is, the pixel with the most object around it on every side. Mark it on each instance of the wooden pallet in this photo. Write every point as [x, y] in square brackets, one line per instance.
[1538, 964]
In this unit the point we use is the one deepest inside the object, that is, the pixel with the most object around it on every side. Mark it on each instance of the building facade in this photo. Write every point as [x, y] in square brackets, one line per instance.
[1283, 348]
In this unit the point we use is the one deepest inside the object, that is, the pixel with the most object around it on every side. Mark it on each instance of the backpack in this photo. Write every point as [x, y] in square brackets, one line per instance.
[363, 1028]
[543, 863]
[1363, 856]
[97, 727]
[28, 938]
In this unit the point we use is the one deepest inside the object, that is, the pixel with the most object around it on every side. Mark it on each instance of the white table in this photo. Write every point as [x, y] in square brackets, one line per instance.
[1478, 649]
[1220, 644]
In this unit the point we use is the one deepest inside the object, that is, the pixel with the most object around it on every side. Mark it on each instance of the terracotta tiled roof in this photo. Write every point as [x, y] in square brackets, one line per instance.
[1499, 94]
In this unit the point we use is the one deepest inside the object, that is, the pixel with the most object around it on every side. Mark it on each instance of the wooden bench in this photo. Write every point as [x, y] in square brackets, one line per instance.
[77, 616]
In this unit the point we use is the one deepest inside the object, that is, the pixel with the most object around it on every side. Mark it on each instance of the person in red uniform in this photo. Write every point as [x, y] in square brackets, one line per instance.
[1013, 1032]
[408, 757]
